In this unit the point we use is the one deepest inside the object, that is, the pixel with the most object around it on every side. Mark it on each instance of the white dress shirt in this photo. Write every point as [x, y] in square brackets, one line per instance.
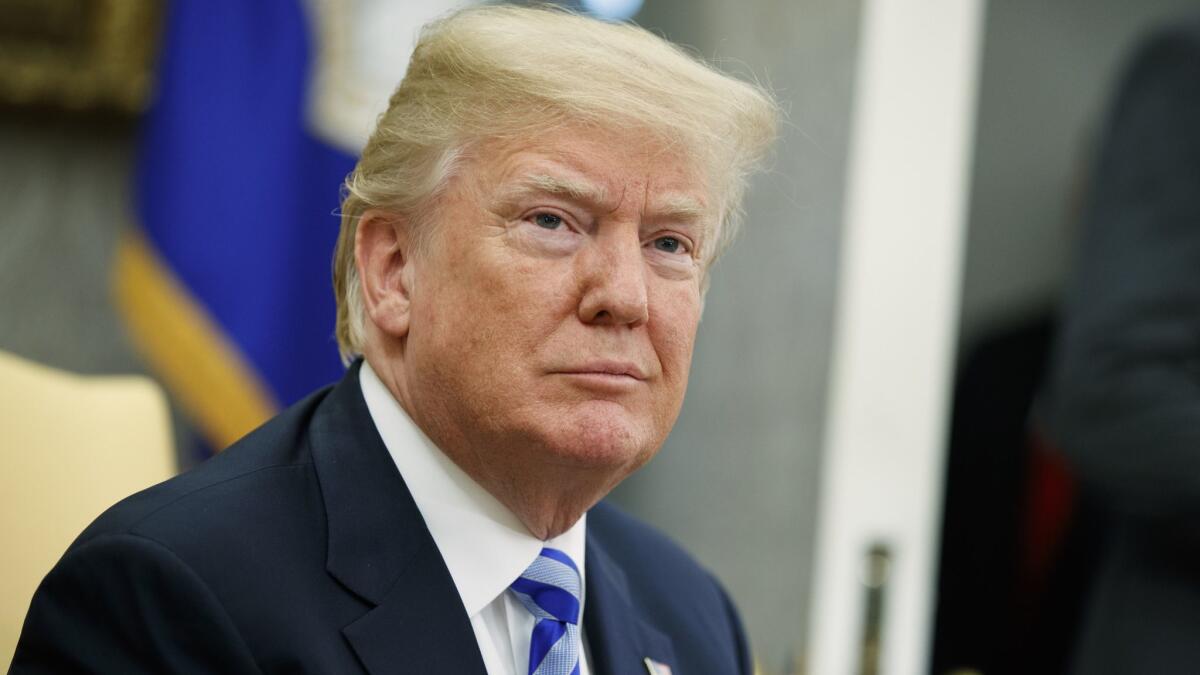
[484, 545]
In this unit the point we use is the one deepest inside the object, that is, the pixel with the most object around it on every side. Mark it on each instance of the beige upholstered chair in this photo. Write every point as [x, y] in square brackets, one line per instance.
[70, 446]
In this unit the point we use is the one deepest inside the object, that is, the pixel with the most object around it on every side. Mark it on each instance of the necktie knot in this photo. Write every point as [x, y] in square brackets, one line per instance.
[549, 588]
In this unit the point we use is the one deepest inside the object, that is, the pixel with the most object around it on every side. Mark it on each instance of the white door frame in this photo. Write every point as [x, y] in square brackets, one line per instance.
[894, 332]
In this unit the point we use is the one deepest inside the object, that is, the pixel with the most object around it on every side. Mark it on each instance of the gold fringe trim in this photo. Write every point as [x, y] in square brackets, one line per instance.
[213, 382]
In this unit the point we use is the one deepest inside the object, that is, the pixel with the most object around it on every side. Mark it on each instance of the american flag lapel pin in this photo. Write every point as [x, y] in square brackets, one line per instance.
[655, 668]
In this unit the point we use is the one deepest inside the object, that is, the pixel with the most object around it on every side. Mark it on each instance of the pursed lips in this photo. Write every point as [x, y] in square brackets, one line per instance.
[614, 369]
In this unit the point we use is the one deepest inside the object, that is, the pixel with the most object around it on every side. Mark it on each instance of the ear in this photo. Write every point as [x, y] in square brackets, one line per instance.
[382, 252]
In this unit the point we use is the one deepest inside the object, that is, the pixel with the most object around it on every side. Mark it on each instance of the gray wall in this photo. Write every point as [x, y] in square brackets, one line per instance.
[737, 479]
[63, 184]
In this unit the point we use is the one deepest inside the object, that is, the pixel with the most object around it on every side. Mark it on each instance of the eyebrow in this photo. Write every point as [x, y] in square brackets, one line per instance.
[680, 207]
[577, 190]
[672, 206]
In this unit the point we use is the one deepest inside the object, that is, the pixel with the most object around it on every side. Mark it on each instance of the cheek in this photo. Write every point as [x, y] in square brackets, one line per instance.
[493, 302]
[673, 332]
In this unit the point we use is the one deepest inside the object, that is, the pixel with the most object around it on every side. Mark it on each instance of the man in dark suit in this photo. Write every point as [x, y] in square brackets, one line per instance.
[520, 273]
[1124, 400]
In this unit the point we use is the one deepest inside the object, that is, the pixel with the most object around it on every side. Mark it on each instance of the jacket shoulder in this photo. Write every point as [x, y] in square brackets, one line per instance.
[225, 482]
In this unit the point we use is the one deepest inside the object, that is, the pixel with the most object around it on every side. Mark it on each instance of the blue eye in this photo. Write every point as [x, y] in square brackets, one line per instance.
[547, 220]
[668, 244]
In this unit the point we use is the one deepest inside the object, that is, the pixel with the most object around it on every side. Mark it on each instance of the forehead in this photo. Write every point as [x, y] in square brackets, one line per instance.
[612, 167]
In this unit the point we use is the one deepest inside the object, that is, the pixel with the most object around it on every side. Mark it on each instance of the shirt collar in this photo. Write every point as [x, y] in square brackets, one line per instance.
[484, 545]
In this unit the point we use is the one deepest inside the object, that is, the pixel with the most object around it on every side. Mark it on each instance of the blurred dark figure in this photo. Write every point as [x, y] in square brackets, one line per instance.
[1018, 539]
[1123, 395]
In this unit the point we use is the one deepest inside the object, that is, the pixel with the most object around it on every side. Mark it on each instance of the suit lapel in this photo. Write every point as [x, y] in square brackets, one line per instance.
[380, 549]
[619, 637]
[418, 628]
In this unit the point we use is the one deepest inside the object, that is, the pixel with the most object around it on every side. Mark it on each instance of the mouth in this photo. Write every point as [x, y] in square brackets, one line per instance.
[615, 371]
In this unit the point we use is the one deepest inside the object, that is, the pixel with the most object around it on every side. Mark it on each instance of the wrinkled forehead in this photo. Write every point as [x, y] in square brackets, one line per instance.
[605, 166]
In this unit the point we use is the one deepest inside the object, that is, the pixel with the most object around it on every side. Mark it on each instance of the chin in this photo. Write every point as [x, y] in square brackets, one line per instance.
[600, 434]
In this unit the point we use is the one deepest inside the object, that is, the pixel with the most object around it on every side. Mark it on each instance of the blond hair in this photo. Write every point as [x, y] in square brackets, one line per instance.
[504, 72]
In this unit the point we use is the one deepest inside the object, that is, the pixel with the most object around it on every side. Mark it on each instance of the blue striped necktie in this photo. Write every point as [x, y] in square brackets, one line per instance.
[549, 589]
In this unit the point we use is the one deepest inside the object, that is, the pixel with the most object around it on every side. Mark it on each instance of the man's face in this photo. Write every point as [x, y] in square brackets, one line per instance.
[554, 309]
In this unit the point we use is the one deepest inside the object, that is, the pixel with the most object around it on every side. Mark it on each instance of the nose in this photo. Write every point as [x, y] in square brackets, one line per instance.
[613, 276]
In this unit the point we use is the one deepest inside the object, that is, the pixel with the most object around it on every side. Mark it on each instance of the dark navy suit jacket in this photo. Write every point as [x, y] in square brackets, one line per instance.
[299, 549]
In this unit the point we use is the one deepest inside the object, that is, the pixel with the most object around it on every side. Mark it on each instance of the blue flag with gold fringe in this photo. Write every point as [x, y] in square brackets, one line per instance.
[225, 279]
